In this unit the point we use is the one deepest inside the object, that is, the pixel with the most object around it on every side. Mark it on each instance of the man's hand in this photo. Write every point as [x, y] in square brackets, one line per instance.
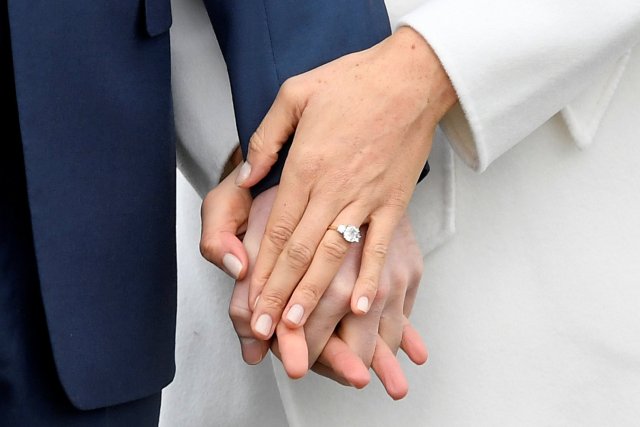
[363, 126]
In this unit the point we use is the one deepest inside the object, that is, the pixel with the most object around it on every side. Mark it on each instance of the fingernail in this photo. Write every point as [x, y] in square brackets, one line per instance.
[363, 304]
[295, 314]
[251, 350]
[232, 264]
[263, 324]
[243, 174]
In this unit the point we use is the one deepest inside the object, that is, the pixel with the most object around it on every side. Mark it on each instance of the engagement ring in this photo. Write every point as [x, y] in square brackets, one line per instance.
[350, 233]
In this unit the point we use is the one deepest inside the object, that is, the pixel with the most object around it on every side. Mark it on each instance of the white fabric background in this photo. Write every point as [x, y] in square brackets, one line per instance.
[213, 386]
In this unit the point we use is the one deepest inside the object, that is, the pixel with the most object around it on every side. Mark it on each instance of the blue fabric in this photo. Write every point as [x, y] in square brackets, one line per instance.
[30, 390]
[94, 103]
[272, 40]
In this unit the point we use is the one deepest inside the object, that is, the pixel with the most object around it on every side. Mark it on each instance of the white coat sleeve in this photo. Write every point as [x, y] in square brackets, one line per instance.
[514, 64]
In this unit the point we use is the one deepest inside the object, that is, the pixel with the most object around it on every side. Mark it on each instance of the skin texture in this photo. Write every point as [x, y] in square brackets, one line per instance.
[334, 342]
[363, 128]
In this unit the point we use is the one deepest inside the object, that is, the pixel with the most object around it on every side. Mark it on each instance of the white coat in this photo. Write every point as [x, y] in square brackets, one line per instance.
[531, 293]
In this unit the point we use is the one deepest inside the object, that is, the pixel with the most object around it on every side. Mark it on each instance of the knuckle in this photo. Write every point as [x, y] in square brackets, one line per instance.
[299, 255]
[397, 198]
[333, 250]
[342, 178]
[377, 251]
[369, 286]
[289, 89]
[239, 314]
[309, 167]
[258, 143]
[309, 294]
[273, 300]
[414, 268]
[382, 292]
[339, 297]
[259, 280]
[208, 247]
[210, 200]
[399, 278]
[281, 232]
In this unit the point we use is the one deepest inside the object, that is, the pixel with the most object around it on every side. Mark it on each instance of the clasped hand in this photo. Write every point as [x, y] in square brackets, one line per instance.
[334, 342]
[362, 127]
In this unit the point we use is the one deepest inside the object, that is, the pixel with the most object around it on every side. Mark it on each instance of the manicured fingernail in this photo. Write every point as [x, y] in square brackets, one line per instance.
[243, 174]
[295, 314]
[263, 324]
[232, 264]
[363, 304]
[251, 350]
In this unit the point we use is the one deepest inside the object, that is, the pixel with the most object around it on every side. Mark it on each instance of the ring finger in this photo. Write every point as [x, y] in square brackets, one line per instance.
[301, 259]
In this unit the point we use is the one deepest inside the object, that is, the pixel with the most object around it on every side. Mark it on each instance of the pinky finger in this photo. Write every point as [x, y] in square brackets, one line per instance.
[374, 254]
[413, 345]
[387, 368]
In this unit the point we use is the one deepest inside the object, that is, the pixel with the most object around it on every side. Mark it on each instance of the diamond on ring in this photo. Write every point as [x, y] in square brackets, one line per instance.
[350, 233]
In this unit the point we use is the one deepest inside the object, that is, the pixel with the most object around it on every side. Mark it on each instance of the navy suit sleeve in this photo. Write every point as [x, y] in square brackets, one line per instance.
[265, 42]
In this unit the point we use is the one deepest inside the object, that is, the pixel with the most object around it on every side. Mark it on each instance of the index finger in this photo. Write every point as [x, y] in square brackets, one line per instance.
[288, 207]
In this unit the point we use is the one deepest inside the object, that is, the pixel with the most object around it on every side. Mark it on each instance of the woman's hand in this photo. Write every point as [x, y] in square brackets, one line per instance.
[224, 214]
[343, 355]
[363, 126]
[361, 342]
[376, 336]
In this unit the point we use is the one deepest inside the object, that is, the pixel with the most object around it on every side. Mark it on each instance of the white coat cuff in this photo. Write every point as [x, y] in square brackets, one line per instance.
[463, 124]
[516, 69]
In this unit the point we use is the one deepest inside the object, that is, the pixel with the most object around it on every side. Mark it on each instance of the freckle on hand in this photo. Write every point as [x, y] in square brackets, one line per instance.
[413, 46]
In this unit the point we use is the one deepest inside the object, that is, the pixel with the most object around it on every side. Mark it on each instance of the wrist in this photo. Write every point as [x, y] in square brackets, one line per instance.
[232, 162]
[412, 52]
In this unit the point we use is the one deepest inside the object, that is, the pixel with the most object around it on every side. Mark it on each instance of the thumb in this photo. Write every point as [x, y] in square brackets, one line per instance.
[224, 213]
[225, 250]
[272, 133]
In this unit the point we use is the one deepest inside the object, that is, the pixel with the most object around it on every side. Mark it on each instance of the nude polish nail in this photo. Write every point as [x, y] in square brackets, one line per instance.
[232, 264]
[263, 324]
[295, 314]
[363, 304]
[243, 174]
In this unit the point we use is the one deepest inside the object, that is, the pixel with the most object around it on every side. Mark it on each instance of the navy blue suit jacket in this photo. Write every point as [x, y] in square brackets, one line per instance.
[94, 101]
